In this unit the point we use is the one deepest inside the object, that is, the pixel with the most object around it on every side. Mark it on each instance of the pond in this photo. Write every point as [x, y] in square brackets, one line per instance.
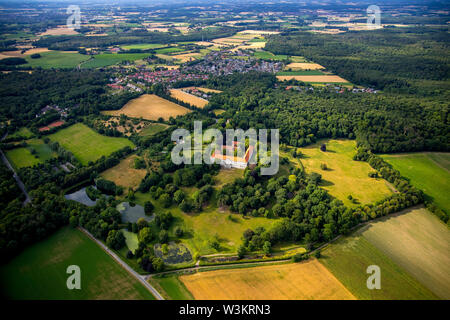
[81, 196]
[176, 253]
[132, 214]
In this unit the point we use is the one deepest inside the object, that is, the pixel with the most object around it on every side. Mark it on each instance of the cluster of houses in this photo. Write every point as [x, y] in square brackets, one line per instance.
[225, 62]
[63, 112]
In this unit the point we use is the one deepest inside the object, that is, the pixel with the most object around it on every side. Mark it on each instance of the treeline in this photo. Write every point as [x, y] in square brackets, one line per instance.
[396, 60]
[9, 190]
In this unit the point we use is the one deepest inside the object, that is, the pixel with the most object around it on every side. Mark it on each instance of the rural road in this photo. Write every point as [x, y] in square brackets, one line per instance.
[16, 176]
[142, 279]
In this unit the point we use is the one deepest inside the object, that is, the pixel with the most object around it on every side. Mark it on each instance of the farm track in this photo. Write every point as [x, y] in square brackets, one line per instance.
[141, 279]
[16, 176]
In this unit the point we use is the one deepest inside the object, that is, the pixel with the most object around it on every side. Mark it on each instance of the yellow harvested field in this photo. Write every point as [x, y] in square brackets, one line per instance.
[150, 107]
[186, 57]
[188, 98]
[325, 78]
[59, 32]
[124, 174]
[259, 32]
[309, 280]
[304, 66]
[206, 90]
[171, 67]
[418, 242]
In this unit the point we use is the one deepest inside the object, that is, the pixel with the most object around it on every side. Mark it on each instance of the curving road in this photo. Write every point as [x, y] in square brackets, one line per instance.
[140, 278]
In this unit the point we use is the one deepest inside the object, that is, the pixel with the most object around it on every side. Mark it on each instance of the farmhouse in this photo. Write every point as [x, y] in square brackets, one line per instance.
[228, 161]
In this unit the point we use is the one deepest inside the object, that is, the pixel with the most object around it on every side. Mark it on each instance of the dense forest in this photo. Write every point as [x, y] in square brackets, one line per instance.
[412, 60]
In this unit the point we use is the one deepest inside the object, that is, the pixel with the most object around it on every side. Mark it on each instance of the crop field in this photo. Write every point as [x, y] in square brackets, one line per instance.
[86, 144]
[344, 176]
[109, 59]
[21, 157]
[172, 286]
[169, 50]
[419, 243]
[144, 46]
[348, 259]
[428, 172]
[295, 281]
[39, 272]
[56, 59]
[186, 57]
[301, 73]
[206, 90]
[269, 55]
[309, 79]
[188, 98]
[150, 107]
[124, 174]
[209, 224]
[59, 31]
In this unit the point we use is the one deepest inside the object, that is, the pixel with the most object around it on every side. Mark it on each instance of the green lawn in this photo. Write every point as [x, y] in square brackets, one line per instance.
[344, 176]
[21, 157]
[428, 172]
[109, 59]
[348, 260]
[172, 286]
[39, 272]
[86, 144]
[56, 59]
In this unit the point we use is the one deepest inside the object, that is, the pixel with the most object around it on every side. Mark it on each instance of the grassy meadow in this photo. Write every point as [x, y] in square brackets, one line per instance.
[295, 281]
[124, 174]
[109, 59]
[39, 272]
[171, 287]
[418, 242]
[21, 157]
[57, 59]
[428, 172]
[153, 128]
[344, 176]
[86, 144]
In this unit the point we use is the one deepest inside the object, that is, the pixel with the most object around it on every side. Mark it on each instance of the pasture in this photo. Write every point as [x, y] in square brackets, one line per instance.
[109, 59]
[86, 144]
[124, 174]
[295, 281]
[39, 272]
[314, 79]
[188, 98]
[348, 259]
[418, 242]
[428, 172]
[57, 59]
[344, 176]
[150, 107]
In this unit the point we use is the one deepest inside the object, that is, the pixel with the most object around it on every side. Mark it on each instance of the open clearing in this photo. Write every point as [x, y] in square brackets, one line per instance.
[325, 78]
[39, 272]
[124, 174]
[21, 157]
[348, 259]
[297, 281]
[56, 59]
[344, 176]
[428, 172]
[108, 59]
[304, 66]
[150, 107]
[419, 243]
[188, 98]
[86, 144]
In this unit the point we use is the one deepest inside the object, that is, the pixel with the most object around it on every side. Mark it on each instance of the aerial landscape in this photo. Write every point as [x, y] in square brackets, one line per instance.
[225, 150]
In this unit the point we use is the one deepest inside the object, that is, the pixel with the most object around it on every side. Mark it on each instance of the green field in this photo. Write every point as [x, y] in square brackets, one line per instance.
[22, 133]
[86, 144]
[428, 172]
[344, 176]
[418, 242]
[269, 56]
[43, 151]
[204, 226]
[39, 272]
[169, 50]
[131, 240]
[301, 73]
[56, 59]
[109, 59]
[172, 286]
[21, 157]
[144, 46]
[152, 128]
[348, 260]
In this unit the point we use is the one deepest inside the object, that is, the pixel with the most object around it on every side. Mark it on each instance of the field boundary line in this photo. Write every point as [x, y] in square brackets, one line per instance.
[124, 265]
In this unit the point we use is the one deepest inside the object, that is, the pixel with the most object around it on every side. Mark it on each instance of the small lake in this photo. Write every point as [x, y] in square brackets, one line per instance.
[132, 214]
[81, 196]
